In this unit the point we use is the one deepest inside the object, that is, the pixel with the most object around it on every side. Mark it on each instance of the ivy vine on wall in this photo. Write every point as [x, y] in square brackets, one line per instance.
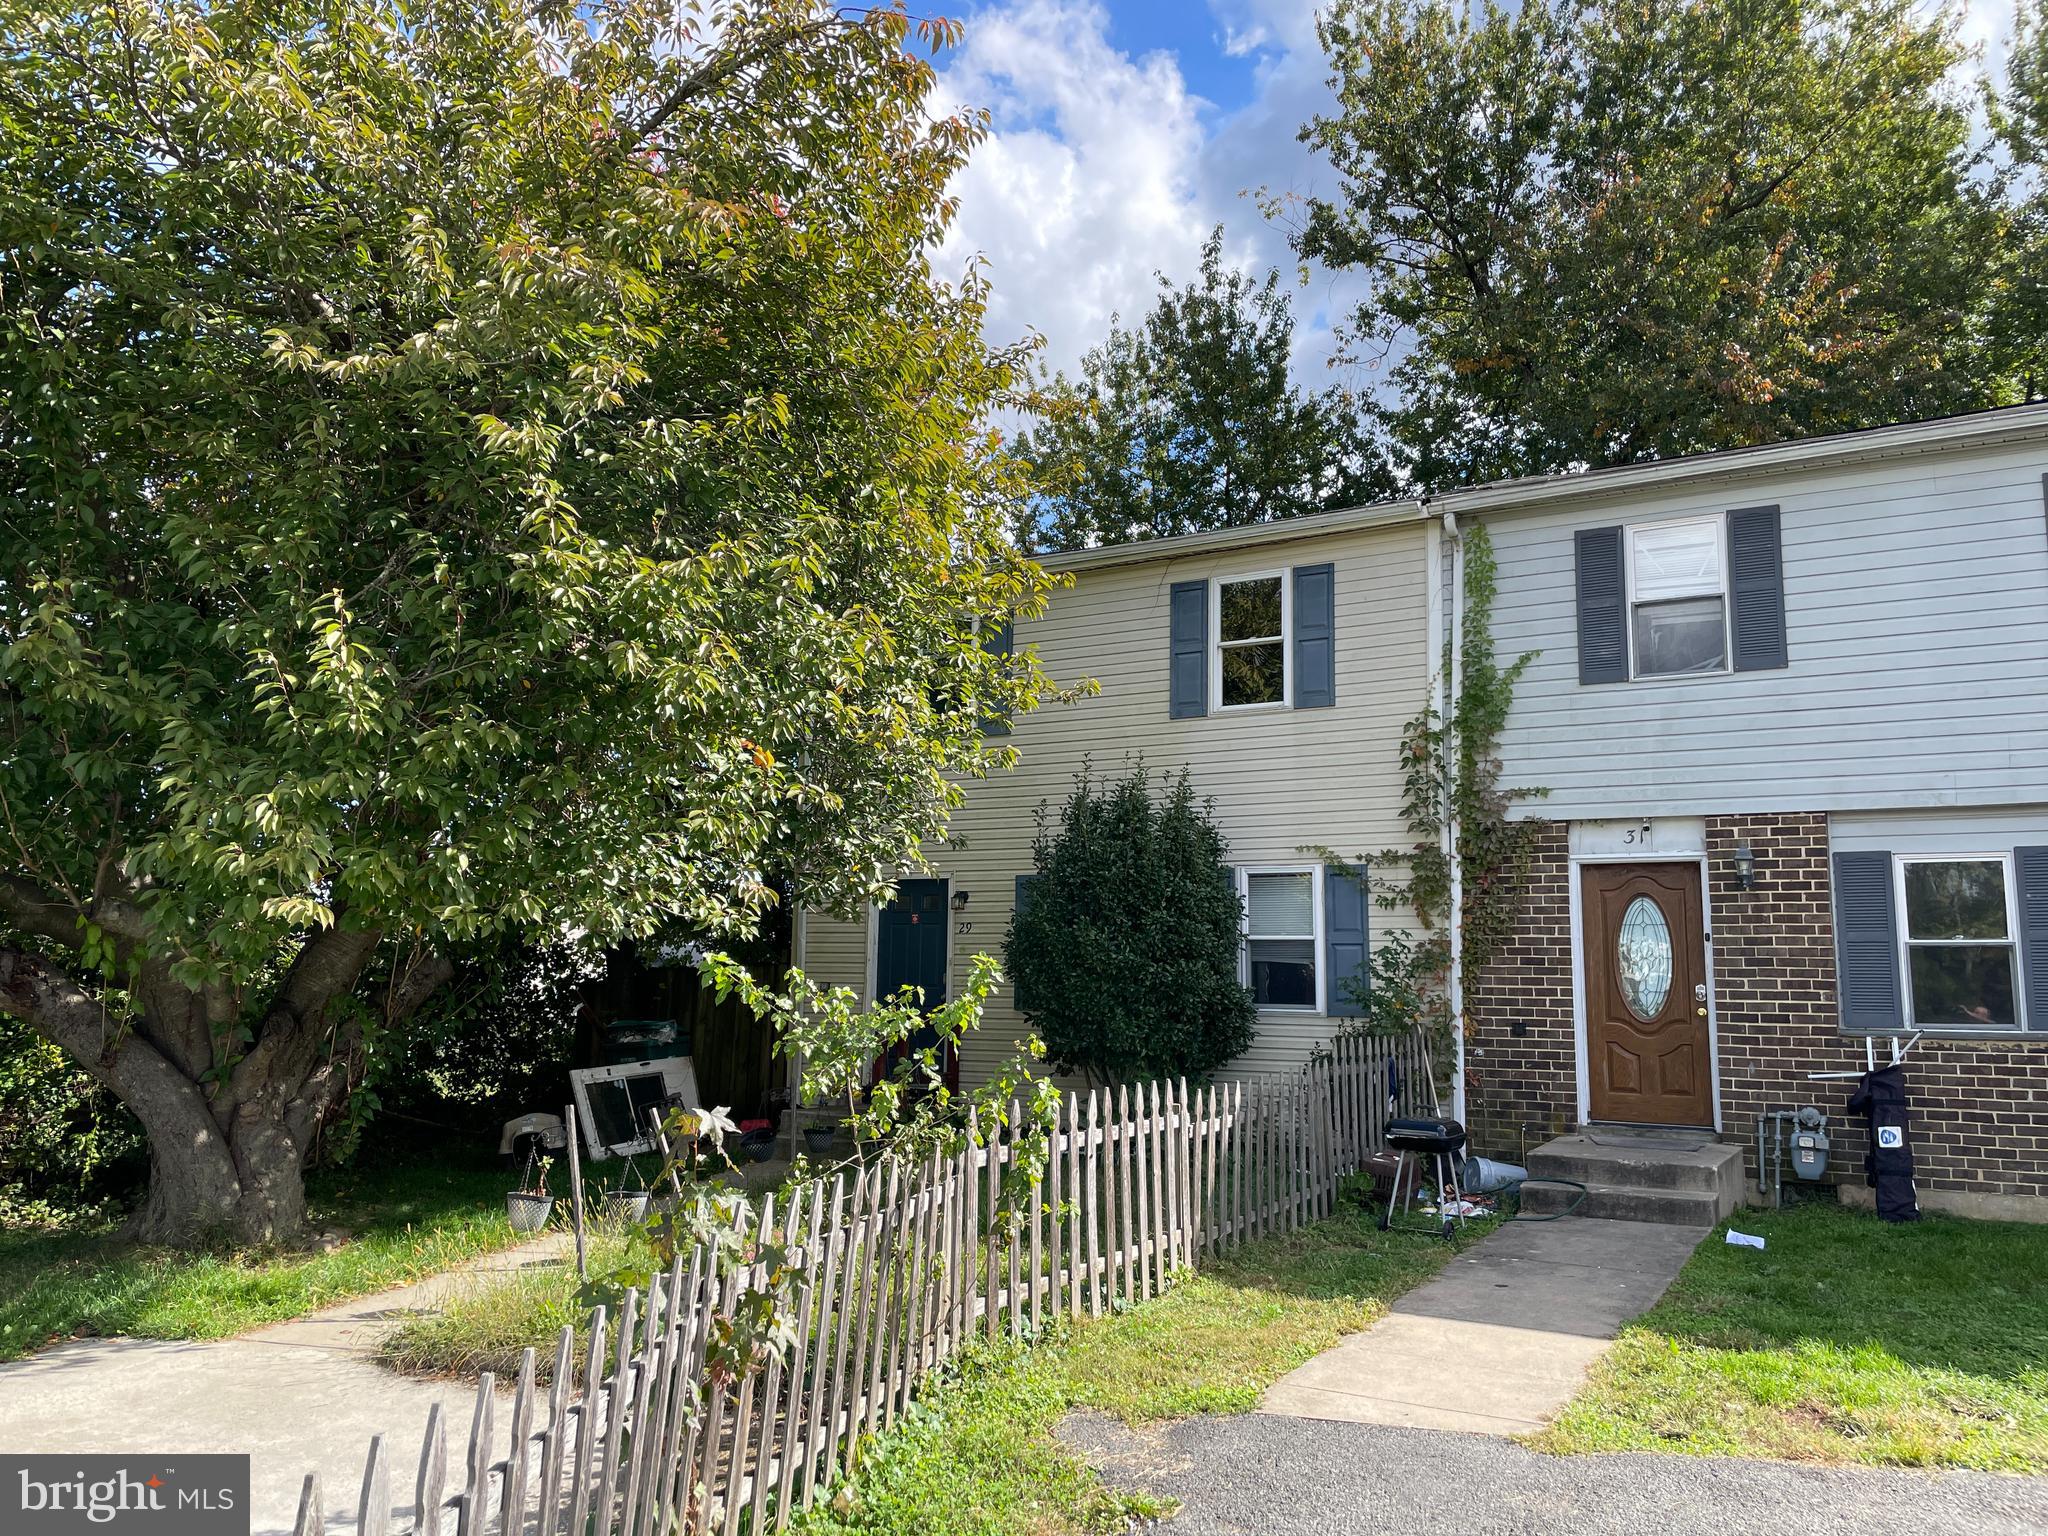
[1408, 976]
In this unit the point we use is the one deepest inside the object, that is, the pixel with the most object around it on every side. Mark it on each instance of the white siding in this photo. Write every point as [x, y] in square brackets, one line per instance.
[1281, 779]
[1916, 603]
[1939, 832]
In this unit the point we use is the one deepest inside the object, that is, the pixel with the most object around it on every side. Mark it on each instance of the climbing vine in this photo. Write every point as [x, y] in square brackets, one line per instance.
[1408, 977]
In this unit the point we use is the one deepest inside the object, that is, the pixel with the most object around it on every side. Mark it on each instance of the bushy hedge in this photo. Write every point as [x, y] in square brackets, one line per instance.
[1125, 950]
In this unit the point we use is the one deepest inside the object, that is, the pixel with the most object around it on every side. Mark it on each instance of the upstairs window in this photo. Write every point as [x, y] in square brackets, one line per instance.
[1961, 960]
[1678, 603]
[1252, 626]
[1283, 932]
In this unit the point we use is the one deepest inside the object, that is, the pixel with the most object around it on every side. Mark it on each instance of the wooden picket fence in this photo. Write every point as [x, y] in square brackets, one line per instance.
[897, 1269]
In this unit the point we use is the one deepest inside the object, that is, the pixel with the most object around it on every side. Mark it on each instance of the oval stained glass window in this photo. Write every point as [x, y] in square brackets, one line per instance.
[1643, 958]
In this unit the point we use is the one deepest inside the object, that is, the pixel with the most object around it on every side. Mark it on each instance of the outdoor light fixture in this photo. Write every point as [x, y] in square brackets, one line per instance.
[959, 901]
[1745, 866]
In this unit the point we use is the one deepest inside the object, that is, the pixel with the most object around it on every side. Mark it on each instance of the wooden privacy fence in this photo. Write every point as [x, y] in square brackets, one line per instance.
[641, 1432]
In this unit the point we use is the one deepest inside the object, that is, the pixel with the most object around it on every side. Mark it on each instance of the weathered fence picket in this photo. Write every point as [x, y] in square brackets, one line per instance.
[897, 1268]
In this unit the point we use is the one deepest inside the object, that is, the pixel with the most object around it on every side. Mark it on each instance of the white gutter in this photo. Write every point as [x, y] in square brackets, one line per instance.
[1455, 980]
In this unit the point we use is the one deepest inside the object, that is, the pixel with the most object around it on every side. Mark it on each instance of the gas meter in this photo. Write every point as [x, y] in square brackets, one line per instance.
[1810, 1144]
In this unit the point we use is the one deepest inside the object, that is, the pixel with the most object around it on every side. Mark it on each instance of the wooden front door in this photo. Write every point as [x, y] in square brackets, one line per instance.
[1647, 1047]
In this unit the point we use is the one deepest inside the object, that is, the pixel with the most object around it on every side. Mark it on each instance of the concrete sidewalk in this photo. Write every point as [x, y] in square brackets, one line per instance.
[298, 1396]
[1501, 1339]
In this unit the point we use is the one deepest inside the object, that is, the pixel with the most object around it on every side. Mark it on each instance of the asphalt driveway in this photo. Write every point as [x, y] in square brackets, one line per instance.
[1271, 1475]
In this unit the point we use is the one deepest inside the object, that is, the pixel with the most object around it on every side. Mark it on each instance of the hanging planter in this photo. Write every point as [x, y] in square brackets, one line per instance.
[529, 1206]
[820, 1139]
[630, 1205]
[527, 1211]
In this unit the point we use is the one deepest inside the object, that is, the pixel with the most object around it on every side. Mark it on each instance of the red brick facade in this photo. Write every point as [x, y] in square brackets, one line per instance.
[1981, 1130]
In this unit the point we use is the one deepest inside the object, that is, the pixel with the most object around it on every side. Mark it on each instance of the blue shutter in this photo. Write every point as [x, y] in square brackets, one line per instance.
[2030, 870]
[997, 640]
[1023, 899]
[1188, 663]
[1866, 943]
[1756, 588]
[1315, 636]
[1346, 933]
[1603, 606]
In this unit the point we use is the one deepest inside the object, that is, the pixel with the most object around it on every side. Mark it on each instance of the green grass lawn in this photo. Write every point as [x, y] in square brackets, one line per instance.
[405, 1223]
[1846, 1340]
[977, 1456]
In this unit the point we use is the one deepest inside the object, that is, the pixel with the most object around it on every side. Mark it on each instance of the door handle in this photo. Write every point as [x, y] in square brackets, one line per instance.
[1701, 1012]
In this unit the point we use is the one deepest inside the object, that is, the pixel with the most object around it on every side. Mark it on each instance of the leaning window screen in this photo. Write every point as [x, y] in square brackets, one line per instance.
[619, 1106]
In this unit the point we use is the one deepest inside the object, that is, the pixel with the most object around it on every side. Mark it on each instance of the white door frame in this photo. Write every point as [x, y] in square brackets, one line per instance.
[1577, 863]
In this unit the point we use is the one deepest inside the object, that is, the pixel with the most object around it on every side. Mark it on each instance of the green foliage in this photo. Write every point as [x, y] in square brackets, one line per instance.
[1126, 952]
[1407, 983]
[1601, 232]
[2019, 119]
[66, 1145]
[472, 469]
[1847, 1339]
[1192, 421]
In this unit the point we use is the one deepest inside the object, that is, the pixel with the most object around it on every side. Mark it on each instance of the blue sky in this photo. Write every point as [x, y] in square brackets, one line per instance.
[1124, 130]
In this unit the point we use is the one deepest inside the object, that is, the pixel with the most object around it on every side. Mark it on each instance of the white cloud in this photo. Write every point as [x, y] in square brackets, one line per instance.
[1091, 179]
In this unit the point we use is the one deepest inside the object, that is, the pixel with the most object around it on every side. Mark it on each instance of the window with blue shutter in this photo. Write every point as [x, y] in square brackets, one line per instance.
[1187, 678]
[1315, 636]
[1756, 588]
[1866, 942]
[1346, 936]
[1603, 606]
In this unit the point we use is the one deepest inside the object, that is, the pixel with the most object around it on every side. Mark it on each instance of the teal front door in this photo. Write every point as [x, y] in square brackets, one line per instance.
[910, 951]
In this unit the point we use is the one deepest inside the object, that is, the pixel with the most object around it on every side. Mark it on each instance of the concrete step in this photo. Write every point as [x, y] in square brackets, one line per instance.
[1623, 1163]
[1622, 1202]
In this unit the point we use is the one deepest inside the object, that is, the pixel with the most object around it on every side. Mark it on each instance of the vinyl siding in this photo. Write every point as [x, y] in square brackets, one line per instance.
[1940, 832]
[1916, 604]
[1280, 778]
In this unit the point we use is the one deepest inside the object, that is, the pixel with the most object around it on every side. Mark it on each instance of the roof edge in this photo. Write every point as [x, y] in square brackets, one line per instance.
[1977, 428]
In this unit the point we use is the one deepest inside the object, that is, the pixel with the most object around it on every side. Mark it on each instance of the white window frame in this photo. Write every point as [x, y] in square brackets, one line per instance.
[1217, 645]
[1314, 872]
[1906, 942]
[1628, 561]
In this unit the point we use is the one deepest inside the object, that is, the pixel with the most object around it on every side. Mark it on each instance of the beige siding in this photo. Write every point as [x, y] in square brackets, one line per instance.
[1281, 779]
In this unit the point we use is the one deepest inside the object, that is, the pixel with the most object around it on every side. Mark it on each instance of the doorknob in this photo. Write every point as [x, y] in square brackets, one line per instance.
[1701, 1012]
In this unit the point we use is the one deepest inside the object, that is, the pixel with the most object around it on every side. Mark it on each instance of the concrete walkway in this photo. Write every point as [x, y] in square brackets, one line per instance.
[1501, 1339]
[297, 1396]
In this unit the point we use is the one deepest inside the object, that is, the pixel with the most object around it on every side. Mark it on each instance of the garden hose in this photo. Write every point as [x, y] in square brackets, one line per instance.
[1577, 1200]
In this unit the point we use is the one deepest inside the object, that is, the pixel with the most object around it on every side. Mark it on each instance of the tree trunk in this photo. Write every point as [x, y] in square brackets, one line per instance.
[228, 1140]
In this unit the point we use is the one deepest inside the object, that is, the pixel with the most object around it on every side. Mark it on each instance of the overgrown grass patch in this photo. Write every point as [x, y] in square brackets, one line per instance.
[402, 1224]
[1846, 1340]
[978, 1456]
[491, 1318]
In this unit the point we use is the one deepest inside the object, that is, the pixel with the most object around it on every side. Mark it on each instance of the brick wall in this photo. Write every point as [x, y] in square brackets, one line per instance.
[1522, 1085]
[1980, 1107]
[1981, 1127]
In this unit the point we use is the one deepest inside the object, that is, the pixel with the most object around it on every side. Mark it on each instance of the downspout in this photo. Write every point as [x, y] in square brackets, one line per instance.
[1455, 981]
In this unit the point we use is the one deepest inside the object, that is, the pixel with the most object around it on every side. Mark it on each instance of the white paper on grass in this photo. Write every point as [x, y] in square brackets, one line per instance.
[1744, 1239]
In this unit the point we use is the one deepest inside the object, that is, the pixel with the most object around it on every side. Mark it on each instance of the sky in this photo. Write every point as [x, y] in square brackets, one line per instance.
[1124, 130]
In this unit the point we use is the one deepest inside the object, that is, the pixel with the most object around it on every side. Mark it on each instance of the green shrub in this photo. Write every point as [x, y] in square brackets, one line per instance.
[67, 1147]
[1125, 950]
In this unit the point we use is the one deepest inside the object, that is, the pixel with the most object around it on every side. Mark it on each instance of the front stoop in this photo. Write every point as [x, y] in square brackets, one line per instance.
[1637, 1178]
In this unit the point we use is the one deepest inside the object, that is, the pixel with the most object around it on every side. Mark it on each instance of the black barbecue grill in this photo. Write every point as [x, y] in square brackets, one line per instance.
[1413, 1139]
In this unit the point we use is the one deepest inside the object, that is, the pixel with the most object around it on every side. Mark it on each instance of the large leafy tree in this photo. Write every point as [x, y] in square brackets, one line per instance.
[469, 466]
[1191, 421]
[1601, 231]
